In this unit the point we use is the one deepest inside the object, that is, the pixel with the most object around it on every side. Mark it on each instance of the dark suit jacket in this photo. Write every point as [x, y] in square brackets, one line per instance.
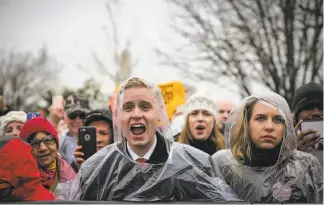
[160, 154]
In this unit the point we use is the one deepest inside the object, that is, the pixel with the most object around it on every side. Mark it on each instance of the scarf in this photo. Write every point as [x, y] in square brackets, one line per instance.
[48, 174]
[264, 157]
[207, 145]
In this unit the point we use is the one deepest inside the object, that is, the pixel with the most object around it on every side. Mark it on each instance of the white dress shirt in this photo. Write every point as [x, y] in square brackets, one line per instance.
[148, 154]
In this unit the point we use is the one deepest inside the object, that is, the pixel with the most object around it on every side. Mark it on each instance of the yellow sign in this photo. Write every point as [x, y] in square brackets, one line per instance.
[174, 94]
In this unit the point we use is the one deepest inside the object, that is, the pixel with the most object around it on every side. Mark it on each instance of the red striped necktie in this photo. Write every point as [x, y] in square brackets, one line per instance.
[141, 160]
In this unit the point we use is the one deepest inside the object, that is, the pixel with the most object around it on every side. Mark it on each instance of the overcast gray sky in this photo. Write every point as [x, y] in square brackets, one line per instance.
[73, 29]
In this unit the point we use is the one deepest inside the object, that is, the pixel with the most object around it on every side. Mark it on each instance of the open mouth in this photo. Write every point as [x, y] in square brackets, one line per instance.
[138, 129]
[200, 129]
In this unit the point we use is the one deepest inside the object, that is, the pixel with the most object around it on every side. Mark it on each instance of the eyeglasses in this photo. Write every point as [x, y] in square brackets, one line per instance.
[48, 140]
[74, 115]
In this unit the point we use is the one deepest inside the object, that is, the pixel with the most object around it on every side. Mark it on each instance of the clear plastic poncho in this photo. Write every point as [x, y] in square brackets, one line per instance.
[295, 177]
[111, 174]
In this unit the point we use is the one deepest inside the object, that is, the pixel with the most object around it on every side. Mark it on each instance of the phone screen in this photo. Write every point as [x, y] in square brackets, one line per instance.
[315, 125]
[58, 101]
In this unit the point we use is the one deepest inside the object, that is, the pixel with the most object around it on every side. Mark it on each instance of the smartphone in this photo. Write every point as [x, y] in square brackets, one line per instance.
[315, 125]
[87, 138]
[58, 101]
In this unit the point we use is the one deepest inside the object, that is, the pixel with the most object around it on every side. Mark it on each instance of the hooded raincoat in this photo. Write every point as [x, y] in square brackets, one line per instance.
[178, 172]
[19, 175]
[295, 176]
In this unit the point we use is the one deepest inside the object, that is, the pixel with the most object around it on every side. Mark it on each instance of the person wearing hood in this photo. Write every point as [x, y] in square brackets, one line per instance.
[44, 142]
[144, 164]
[200, 129]
[262, 163]
[19, 175]
[12, 122]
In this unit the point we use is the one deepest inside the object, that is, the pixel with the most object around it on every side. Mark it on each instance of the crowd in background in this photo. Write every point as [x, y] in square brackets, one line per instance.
[210, 149]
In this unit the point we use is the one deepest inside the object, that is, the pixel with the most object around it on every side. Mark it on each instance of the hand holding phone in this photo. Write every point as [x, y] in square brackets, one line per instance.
[58, 102]
[78, 156]
[311, 134]
[313, 125]
[57, 109]
[87, 138]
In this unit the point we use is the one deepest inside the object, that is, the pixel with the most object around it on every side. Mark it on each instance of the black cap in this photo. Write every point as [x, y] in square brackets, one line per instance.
[306, 95]
[98, 115]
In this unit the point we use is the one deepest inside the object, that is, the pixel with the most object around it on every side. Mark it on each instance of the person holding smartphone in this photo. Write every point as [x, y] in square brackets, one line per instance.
[101, 120]
[308, 106]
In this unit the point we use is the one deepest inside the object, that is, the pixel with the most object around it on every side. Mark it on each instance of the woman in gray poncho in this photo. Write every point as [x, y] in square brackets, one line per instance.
[261, 163]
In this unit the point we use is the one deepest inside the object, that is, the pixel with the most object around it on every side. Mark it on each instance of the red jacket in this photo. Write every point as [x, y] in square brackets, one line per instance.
[19, 172]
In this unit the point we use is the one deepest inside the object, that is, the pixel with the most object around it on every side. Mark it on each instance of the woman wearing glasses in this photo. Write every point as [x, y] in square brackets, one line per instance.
[44, 141]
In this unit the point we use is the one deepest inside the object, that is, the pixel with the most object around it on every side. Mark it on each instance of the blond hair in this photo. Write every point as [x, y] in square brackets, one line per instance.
[240, 143]
[136, 82]
[216, 136]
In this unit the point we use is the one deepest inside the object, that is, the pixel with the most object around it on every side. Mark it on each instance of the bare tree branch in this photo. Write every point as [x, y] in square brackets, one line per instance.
[120, 49]
[24, 78]
[275, 43]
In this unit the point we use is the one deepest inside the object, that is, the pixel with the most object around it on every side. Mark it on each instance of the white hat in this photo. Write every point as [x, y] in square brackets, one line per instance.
[12, 116]
[201, 101]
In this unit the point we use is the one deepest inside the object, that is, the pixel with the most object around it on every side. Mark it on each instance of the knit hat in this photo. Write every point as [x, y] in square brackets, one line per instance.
[18, 116]
[308, 94]
[200, 101]
[38, 124]
[98, 115]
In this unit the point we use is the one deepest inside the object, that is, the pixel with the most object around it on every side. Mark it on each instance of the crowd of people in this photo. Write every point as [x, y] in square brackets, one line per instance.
[209, 150]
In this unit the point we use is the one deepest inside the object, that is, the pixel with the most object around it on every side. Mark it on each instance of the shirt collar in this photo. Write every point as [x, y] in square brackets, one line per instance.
[148, 154]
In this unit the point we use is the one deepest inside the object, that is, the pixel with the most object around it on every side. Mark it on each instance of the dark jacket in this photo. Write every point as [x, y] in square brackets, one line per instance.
[4, 112]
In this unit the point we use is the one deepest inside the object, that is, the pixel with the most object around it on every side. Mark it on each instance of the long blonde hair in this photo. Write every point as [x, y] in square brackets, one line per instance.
[216, 136]
[240, 143]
